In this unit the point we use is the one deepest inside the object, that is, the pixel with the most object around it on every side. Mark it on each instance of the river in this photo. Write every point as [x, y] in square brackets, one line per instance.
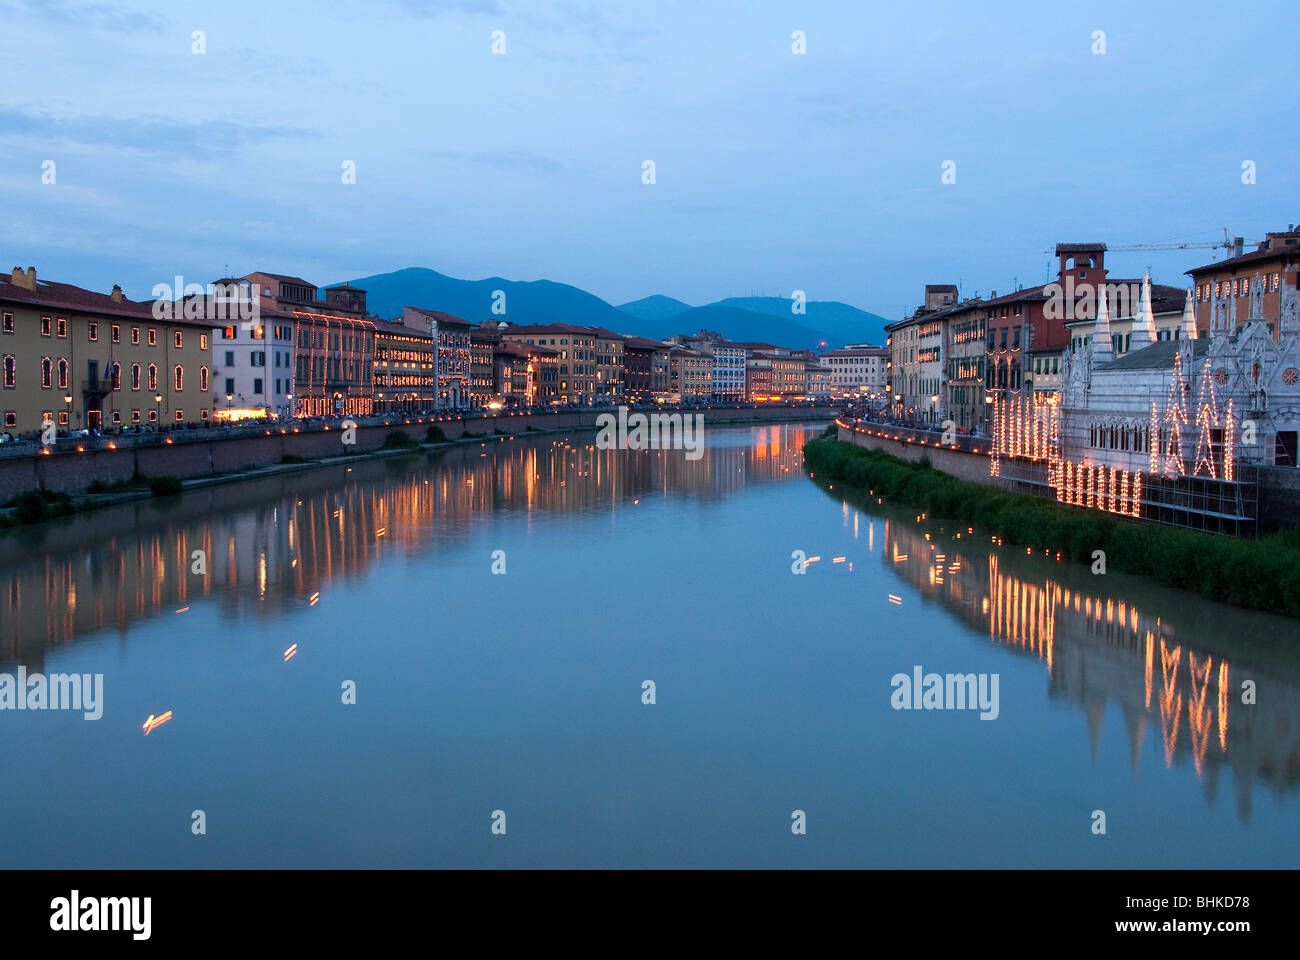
[351, 684]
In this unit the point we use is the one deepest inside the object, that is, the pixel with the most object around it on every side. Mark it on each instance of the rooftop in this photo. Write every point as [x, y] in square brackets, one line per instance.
[1276, 247]
[66, 298]
[1158, 356]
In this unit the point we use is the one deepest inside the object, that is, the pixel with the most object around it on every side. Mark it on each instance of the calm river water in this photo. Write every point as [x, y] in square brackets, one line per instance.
[516, 698]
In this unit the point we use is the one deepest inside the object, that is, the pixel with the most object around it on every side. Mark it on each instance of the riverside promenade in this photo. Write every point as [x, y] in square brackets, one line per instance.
[73, 463]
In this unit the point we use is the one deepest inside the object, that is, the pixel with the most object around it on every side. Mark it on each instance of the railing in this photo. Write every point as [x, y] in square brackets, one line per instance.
[936, 437]
[202, 432]
[1199, 503]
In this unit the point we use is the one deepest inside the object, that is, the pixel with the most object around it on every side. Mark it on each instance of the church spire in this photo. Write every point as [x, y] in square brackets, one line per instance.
[1188, 330]
[1102, 352]
[1144, 321]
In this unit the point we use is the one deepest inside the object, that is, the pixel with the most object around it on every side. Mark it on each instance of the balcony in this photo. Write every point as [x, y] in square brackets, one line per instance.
[96, 388]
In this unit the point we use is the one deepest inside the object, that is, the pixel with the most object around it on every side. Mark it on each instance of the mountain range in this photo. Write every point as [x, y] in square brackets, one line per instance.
[824, 324]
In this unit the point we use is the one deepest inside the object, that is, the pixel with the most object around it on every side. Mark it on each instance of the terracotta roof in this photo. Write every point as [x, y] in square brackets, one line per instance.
[66, 298]
[282, 278]
[1027, 295]
[641, 343]
[326, 316]
[947, 311]
[393, 326]
[532, 329]
[1079, 248]
[857, 352]
[1274, 252]
[440, 316]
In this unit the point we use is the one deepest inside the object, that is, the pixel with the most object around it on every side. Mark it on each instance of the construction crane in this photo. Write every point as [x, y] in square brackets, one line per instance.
[1229, 243]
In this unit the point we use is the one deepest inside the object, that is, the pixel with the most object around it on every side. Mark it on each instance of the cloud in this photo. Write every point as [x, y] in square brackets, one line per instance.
[501, 159]
[103, 17]
[206, 139]
[429, 9]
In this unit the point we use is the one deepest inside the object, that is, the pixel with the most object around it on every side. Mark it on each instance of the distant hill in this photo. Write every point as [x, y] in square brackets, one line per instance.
[767, 319]
[742, 325]
[843, 323]
[527, 301]
[654, 308]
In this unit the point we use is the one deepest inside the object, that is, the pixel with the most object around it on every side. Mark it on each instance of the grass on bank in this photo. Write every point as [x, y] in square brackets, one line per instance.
[399, 440]
[1263, 573]
[37, 506]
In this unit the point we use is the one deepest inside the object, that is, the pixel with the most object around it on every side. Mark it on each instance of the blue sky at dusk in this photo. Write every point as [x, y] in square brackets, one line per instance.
[774, 171]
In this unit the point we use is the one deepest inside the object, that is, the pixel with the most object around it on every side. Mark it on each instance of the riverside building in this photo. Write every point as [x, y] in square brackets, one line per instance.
[87, 360]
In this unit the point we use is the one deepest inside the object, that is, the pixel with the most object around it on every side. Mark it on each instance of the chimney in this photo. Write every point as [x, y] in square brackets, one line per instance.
[25, 280]
[993, 294]
[116, 295]
[1238, 245]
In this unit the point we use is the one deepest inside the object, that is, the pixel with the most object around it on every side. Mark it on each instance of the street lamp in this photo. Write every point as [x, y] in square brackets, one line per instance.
[934, 409]
[157, 399]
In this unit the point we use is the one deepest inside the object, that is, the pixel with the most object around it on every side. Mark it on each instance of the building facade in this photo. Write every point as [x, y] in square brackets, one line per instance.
[1191, 406]
[405, 369]
[453, 354]
[690, 375]
[87, 360]
[331, 352]
[484, 387]
[965, 332]
[817, 381]
[857, 371]
[253, 361]
[1223, 290]
[646, 363]
[916, 366]
[591, 360]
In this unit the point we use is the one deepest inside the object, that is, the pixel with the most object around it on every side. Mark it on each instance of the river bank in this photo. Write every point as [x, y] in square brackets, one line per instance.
[1261, 574]
[40, 505]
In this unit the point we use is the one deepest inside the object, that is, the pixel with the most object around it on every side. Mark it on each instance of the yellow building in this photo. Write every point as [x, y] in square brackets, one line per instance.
[690, 374]
[96, 360]
[591, 364]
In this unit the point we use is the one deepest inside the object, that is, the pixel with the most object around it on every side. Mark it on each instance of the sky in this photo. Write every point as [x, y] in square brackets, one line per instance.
[774, 171]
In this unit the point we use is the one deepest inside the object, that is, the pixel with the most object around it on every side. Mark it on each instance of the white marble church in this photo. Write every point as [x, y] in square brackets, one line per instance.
[1188, 406]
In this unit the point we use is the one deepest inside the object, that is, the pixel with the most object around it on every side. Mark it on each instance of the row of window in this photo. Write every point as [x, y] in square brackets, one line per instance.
[281, 386]
[1002, 340]
[55, 373]
[57, 327]
[1237, 288]
[115, 416]
[317, 339]
[259, 333]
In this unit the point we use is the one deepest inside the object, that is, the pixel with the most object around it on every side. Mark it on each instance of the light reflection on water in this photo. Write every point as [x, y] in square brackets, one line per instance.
[523, 691]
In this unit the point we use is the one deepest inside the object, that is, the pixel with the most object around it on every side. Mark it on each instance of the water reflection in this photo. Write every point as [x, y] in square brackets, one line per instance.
[1164, 658]
[1173, 665]
[272, 544]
